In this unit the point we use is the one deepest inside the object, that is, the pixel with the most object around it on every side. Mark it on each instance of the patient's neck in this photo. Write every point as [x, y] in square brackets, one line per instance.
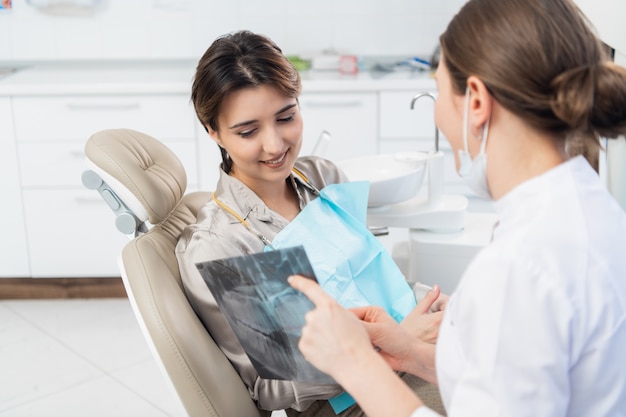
[282, 199]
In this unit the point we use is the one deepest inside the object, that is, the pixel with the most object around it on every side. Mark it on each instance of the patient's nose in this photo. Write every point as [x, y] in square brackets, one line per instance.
[273, 142]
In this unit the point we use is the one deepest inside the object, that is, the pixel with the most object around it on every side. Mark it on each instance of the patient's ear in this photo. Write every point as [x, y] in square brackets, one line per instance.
[214, 135]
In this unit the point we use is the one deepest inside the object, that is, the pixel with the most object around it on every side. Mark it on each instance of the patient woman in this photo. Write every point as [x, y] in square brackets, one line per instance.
[245, 93]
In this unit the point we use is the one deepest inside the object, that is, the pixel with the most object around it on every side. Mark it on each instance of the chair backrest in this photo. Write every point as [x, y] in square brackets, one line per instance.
[144, 183]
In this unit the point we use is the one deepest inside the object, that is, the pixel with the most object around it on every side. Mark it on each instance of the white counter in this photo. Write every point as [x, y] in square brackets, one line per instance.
[176, 78]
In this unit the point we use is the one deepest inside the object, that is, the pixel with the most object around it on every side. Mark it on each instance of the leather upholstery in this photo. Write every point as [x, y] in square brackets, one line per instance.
[204, 379]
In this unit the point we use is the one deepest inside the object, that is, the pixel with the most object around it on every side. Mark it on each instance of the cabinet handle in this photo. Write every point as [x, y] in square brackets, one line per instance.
[333, 104]
[102, 106]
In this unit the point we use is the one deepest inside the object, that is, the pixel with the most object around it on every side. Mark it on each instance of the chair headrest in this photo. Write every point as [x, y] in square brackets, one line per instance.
[148, 177]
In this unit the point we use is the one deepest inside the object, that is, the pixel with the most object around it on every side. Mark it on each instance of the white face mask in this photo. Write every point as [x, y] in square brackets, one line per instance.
[474, 171]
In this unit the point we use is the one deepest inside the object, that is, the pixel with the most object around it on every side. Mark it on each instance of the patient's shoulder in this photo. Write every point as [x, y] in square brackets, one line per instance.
[206, 232]
[320, 171]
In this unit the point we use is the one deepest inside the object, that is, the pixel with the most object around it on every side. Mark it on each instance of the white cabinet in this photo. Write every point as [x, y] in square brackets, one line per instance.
[350, 118]
[54, 227]
[406, 129]
[398, 122]
[13, 250]
[70, 231]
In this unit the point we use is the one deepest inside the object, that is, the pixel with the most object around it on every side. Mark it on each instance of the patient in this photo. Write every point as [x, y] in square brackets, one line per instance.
[245, 94]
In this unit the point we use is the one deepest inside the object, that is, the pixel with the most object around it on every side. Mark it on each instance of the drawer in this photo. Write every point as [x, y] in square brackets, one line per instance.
[78, 117]
[398, 121]
[71, 233]
[61, 164]
[351, 119]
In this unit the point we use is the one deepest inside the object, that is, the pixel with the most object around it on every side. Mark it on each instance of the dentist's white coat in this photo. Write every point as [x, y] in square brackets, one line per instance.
[537, 326]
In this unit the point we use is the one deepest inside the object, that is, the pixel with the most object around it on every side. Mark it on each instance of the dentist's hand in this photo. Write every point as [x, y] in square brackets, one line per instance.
[333, 339]
[337, 341]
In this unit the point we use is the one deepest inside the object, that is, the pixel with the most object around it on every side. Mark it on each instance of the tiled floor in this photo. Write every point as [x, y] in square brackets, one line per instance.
[76, 358]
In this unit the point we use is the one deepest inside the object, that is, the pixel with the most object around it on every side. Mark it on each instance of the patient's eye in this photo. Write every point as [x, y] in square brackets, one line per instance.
[287, 119]
[247, 133]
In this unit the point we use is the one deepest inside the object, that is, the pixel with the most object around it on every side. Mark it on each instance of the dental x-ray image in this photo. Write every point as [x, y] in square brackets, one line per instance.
[264, 311]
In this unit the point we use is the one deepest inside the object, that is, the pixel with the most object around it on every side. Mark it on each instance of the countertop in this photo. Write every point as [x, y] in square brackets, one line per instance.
[176, 78]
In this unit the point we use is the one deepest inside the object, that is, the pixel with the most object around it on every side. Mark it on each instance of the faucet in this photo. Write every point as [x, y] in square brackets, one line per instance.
[431, 95]
[435, 163]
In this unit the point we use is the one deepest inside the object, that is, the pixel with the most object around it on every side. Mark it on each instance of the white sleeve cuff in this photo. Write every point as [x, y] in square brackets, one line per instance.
[424, 411]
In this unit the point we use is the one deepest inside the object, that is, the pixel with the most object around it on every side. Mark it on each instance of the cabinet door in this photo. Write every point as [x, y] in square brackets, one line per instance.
[70, 230]
[13, 249]
[351, 119]
[406, 129]
[71, 233]
[399, 121]
[65, 123]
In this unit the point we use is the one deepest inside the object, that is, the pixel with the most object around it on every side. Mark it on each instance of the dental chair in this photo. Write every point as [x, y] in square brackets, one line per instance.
[144, 183]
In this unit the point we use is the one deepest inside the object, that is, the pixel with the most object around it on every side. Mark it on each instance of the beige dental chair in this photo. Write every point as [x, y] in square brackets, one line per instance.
[144, 183]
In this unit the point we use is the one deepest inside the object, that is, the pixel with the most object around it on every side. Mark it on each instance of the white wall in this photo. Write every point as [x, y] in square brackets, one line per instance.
[607, 16]
[183, 29]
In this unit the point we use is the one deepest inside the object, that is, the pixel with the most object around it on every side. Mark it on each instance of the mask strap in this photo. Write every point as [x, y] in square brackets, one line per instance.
[485, 132]
[484, 136]
[465, 119]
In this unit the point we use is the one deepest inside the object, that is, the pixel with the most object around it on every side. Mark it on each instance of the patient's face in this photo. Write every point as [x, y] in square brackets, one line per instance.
[261, 129]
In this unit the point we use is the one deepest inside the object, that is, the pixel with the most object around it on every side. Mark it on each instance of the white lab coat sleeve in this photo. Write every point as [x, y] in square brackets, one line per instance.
[508, 328]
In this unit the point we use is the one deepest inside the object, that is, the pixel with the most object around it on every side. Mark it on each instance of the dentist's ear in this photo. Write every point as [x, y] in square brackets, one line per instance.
[480, 104]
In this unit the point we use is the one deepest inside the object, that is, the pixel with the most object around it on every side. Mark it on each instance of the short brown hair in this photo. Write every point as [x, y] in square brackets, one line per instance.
[234, 61]
[239, 60]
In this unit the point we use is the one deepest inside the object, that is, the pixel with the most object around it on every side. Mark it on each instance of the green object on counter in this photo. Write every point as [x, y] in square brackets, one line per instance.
[299, 63]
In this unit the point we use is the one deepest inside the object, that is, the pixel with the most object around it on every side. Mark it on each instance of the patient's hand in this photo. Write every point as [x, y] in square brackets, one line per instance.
[399, 348]
[440, 304]
[424, 321]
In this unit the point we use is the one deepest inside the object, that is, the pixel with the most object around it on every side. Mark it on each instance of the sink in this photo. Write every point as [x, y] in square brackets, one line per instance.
[393, 177]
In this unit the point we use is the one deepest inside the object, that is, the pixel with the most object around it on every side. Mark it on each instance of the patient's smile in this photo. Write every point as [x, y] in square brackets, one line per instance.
[276, 161]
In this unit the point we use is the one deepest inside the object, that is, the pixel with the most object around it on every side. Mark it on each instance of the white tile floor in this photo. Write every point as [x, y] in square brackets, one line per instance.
[76, 358]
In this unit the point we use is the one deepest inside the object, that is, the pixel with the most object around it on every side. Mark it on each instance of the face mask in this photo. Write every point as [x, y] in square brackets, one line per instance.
[474, 171]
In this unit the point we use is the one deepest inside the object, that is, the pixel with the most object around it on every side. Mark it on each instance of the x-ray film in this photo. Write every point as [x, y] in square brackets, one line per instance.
[264, 311]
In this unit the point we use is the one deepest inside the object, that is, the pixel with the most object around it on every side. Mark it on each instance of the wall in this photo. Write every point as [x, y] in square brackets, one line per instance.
[183, 29]
[607, 16]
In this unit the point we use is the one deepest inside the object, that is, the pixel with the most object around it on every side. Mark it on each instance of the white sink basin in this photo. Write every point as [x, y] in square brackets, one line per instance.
[393, 177]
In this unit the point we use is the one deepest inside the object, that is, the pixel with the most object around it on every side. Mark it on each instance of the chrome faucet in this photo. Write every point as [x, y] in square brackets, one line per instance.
[431, 95]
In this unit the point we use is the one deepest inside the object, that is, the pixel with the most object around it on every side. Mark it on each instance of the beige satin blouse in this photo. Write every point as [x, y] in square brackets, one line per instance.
[217, 234]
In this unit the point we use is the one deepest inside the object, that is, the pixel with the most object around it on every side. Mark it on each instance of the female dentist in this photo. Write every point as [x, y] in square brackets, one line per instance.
[537, 325]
